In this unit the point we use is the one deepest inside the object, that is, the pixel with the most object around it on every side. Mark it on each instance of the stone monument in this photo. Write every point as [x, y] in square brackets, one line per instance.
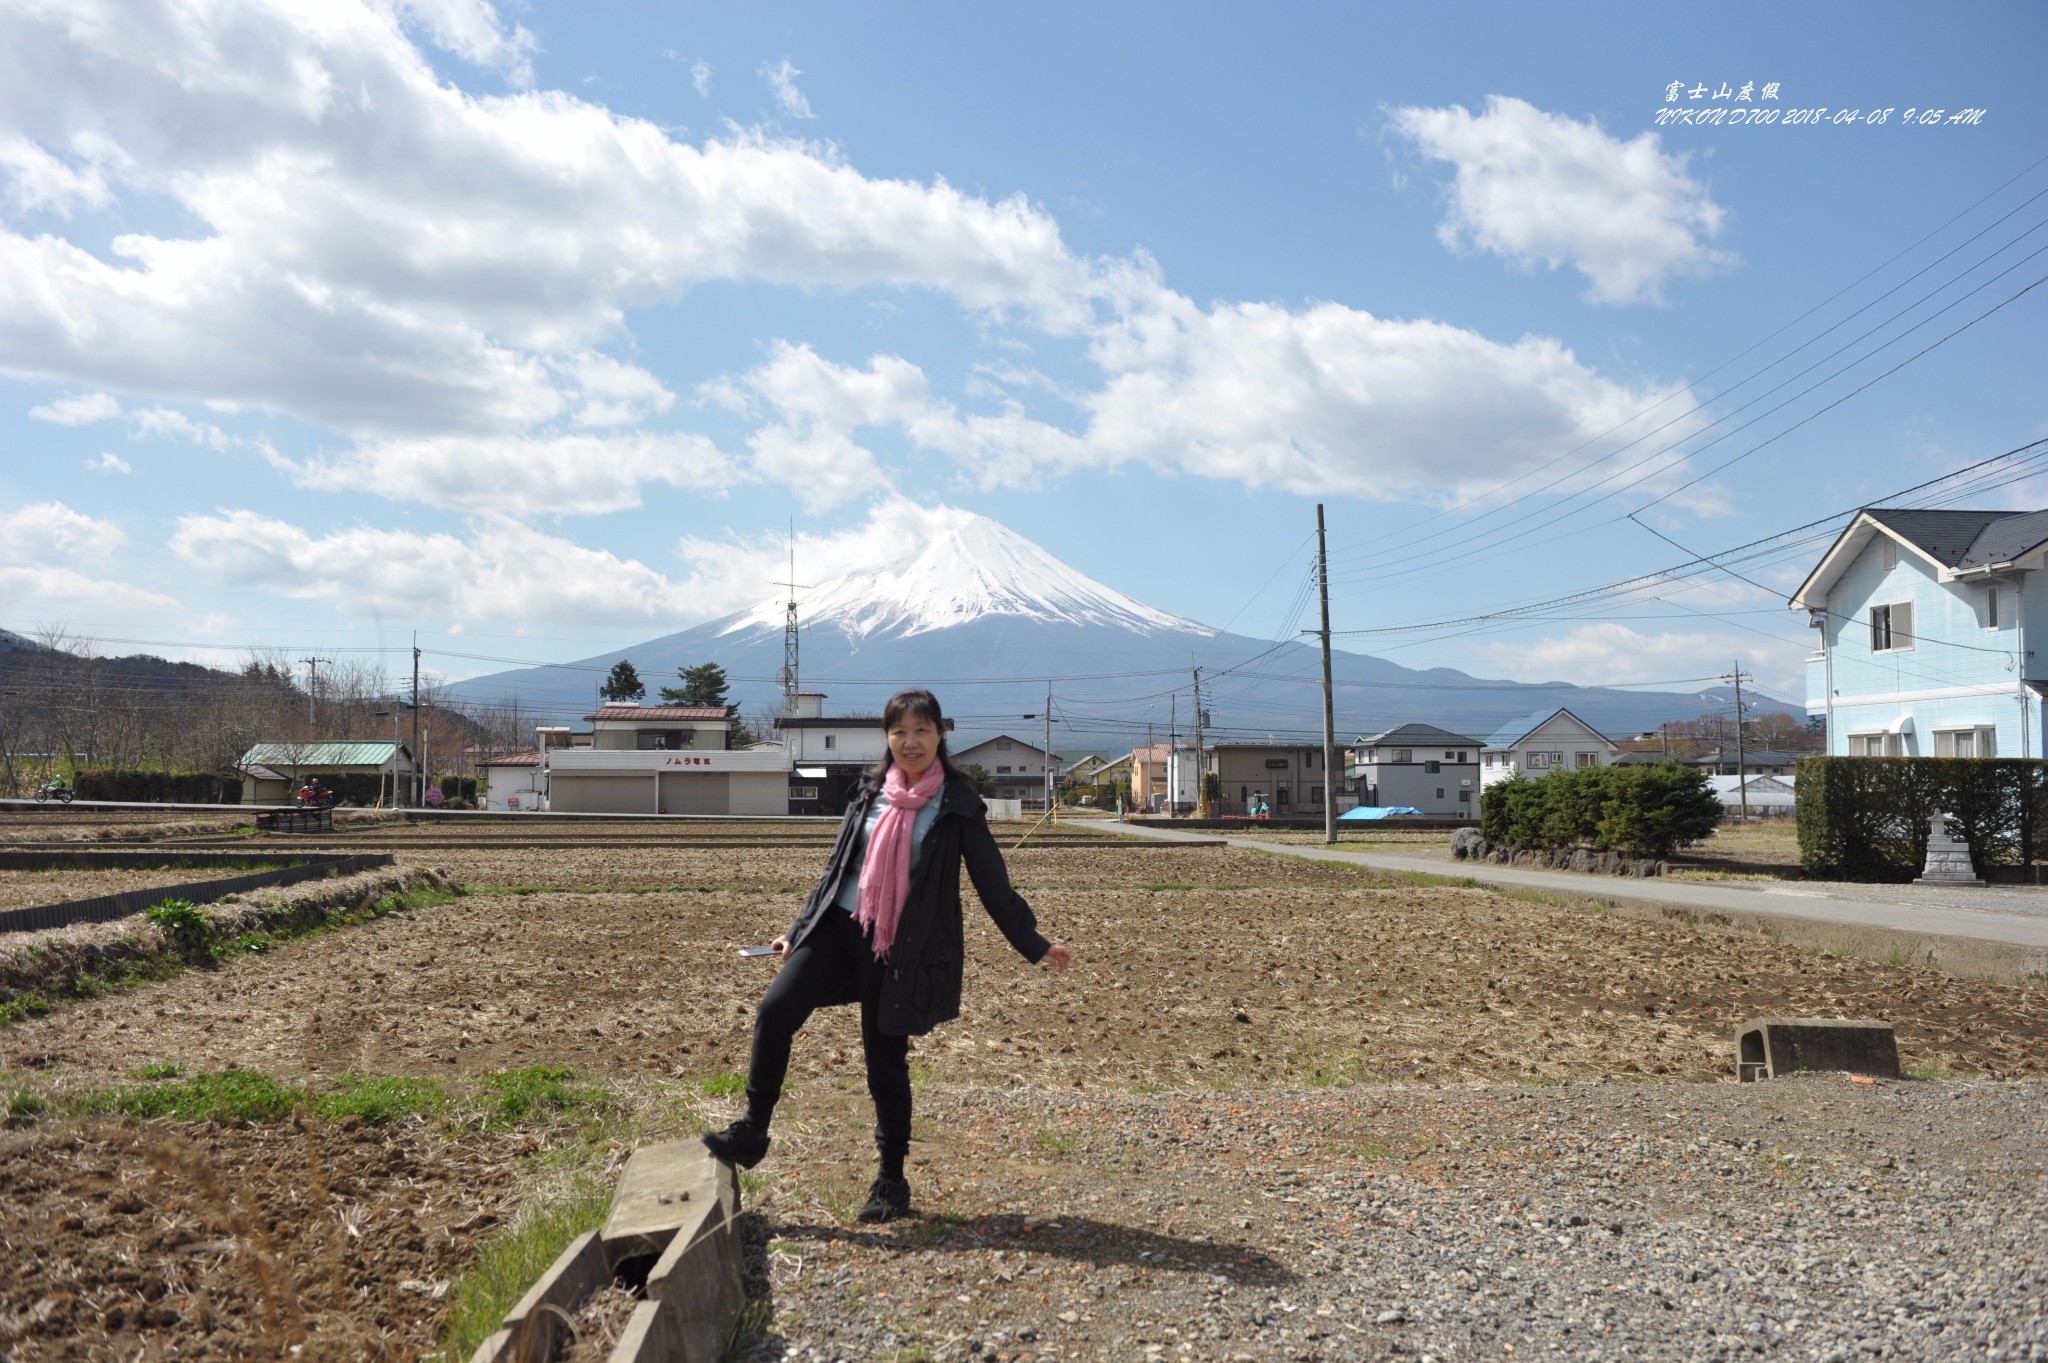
[1948, 861]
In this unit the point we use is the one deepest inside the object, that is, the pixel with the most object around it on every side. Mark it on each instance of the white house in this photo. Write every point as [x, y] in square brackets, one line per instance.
[1540, 743]
[827, 753]
[514, 783]
[666, 759]
[1017, 765]
[1923, 619]
[1418, 765]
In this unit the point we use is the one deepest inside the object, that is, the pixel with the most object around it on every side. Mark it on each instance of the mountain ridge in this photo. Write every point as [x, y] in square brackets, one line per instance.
[990, 621]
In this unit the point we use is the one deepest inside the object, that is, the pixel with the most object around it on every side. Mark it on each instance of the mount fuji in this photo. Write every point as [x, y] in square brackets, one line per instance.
[989, 621]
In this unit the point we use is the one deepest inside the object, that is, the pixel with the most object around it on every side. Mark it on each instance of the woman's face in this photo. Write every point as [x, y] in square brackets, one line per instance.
[914, 743]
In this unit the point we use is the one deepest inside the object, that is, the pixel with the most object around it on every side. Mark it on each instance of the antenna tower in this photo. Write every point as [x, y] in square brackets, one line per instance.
[787, 677]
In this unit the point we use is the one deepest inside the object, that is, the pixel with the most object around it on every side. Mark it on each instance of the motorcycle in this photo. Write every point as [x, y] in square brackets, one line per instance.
[48, 789]
[316, 796]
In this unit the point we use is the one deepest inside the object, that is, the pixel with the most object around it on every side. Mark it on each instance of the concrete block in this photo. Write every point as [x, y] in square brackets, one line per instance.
[1769, 1047]
[663, 1189]
[648, 1336]
[493, 1349]
[698, 1277]
[538, 1326]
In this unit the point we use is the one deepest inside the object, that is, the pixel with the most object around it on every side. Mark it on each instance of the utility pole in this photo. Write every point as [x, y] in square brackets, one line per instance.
[1329, 699]
[313, 690]
[1172, 746]
[1201, 772]
[1741, 752]
[417, 779]
[1052, 780]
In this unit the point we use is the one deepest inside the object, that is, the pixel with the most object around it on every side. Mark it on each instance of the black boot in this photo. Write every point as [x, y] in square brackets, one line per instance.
[887, 1200]
[744, 1143]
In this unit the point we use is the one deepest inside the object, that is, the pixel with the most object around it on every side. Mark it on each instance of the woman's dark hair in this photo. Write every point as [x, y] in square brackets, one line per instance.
[923, 705]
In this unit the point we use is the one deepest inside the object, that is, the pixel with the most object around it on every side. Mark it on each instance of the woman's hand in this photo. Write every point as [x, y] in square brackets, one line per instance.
[781, 946]
[1059, 956]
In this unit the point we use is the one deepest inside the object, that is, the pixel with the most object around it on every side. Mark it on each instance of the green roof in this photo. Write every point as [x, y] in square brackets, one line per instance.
[320, 754]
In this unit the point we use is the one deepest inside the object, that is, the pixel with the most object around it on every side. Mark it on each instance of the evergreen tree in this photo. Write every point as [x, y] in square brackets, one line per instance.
[623, 683]
[703, 685]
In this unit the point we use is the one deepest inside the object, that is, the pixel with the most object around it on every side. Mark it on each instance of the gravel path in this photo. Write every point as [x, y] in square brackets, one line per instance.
[1812, 1218]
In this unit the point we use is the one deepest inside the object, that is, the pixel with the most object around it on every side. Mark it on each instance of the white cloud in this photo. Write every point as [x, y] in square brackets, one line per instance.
[499, 572]
[1612, 652]
[175, 425]
[39, 180]
[472, 30]
[1323, 400]
[1544, 189]
[781, 78]
[40, 592]
[109, 463]
[381, 252]
[700, 77]
[83, 410]
[731, 574]
[615, 394]
[52, 533]
[573, 475]
[45, 552]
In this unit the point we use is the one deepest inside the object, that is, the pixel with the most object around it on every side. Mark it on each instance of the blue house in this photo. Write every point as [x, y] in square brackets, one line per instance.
[1924, 618]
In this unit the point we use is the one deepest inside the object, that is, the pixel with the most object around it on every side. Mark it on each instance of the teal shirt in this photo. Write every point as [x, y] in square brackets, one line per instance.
[849, 888]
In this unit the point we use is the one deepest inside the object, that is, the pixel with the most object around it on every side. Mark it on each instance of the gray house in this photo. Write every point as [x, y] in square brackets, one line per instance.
[1420, 765]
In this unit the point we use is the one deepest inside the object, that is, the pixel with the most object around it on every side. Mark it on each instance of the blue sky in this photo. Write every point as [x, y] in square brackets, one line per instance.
[534, 329]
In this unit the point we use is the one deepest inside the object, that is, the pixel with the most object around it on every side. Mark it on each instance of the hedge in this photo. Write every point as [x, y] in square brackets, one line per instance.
[158, 787]
[1866, 818]
[1643, 811]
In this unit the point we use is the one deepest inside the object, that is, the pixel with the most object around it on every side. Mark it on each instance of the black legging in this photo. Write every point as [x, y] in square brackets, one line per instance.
[835, 965]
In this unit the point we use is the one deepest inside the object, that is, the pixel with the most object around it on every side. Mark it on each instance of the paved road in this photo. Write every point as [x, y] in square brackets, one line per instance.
[2010, 916]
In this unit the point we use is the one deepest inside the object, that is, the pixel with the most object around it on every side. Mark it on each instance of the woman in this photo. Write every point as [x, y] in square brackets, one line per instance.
[882, 928]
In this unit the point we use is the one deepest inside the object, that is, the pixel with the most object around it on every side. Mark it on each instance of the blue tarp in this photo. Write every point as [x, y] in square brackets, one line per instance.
[1378, 811]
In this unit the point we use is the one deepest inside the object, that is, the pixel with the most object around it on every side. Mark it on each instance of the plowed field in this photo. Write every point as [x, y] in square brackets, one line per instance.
[1199, 971]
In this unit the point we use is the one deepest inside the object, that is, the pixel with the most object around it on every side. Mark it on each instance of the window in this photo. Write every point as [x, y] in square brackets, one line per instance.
[1870, 745]
[1002, 771]
[1244, 796]
[1404, 754]
[1981, 741]
[1891, 627]
[803, 792]
[1991, 607]
[831, 741]
[1589, 759]
[1002, 745]
[1308, 759]
[1465, 797]
[1890, 555]
[1538, 761]
[1280, 794]
[1454, 757]
[1315, 795]
[1439, 792]
[1432, 768]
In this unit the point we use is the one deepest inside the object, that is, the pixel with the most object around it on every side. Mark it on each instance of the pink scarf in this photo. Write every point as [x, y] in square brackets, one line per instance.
[885, 874]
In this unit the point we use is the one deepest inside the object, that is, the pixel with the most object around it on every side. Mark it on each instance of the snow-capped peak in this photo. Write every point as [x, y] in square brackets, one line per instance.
[971, 569]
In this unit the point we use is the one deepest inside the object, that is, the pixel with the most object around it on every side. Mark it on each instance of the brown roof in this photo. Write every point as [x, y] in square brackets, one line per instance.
[514, 759]
[661, 712]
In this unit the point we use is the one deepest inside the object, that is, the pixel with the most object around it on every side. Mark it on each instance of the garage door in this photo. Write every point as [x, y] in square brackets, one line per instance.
[699, 792]
[602, 794]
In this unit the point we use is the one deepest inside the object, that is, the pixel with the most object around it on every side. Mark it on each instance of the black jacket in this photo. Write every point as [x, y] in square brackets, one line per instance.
[922, 986]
